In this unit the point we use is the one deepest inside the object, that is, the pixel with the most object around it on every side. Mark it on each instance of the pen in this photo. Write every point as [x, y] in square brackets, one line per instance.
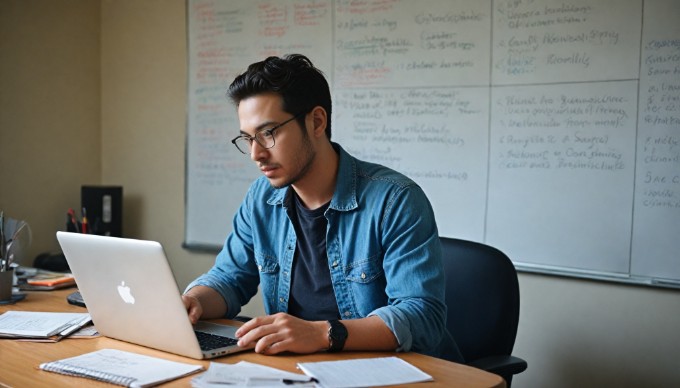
[291, 382]
[5, 265]
[287, 381]
[72, 214]
[72, 329]
[84, 228]
[69, 223]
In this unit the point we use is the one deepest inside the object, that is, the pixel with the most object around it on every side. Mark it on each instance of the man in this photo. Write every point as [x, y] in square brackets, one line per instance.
[346, 252]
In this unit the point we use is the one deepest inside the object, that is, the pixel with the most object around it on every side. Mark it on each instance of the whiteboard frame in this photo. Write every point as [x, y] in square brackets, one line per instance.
[595, 275]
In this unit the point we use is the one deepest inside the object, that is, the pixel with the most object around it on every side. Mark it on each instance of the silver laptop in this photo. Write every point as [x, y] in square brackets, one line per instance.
[131, 295]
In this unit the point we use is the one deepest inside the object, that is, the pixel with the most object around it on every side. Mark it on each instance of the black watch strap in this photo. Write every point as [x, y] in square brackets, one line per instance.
[337, 335]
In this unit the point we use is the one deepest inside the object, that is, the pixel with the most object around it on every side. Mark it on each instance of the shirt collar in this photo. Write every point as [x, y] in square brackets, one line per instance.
[345, 195]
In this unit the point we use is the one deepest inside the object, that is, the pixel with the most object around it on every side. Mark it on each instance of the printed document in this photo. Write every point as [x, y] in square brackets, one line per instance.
[366, 372]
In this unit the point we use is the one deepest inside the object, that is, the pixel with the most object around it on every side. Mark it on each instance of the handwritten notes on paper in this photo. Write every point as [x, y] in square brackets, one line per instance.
[531, 125]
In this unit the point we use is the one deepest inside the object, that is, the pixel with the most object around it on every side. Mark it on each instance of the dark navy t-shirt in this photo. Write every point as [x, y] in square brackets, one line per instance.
[311, 293]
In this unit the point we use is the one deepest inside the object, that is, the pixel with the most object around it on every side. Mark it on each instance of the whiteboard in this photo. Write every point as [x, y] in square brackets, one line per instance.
[548, 129]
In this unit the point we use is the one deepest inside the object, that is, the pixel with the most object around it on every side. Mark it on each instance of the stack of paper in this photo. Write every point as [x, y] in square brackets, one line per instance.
[41, 326]
[366, 372]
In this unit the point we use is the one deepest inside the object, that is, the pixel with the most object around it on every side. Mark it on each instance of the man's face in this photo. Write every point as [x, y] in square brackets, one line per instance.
[293, 152]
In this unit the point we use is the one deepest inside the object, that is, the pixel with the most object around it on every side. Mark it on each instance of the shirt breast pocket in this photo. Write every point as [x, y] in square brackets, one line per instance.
[268, 267]
[365, 271]
[366, 281]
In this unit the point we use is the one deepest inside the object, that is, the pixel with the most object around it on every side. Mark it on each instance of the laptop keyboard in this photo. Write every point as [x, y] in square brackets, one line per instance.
[209, 341]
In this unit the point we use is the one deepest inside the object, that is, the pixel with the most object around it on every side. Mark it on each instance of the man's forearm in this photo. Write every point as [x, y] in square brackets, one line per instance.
[214, 306]
[369, 333]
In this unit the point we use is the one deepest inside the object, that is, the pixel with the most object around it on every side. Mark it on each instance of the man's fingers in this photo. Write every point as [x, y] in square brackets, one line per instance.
[253, 324]
[193, 307]
[271, 344]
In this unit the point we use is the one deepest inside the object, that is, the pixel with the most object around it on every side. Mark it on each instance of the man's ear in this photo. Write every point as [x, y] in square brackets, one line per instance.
[319, 121]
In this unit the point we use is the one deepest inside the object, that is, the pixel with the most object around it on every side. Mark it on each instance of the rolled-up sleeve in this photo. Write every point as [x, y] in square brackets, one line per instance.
[415, 283]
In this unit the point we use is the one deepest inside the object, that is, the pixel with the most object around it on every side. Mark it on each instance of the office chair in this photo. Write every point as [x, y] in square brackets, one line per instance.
[482, 298]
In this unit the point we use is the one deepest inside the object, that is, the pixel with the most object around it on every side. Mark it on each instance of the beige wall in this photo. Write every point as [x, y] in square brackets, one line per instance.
[50, 138]
[143, 121]
[56, 101]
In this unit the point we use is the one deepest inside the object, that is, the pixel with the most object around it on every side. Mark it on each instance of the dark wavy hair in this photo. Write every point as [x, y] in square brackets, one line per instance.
[300, 85]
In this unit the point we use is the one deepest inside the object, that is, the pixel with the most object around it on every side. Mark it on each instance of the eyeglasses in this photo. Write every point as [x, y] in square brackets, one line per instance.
[264, 137]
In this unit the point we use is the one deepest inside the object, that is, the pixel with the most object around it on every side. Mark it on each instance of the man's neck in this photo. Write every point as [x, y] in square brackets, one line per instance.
[316, 188]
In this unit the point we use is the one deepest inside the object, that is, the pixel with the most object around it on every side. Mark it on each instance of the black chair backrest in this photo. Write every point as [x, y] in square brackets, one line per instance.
[482, 298]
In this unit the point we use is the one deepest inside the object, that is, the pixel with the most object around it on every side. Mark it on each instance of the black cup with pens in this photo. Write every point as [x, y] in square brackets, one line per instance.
[15, 236]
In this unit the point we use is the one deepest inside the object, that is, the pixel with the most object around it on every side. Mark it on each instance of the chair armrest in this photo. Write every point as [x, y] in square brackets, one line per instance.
[500, 365]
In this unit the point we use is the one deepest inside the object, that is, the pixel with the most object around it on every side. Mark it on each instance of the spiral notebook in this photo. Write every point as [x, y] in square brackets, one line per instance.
[121, 368]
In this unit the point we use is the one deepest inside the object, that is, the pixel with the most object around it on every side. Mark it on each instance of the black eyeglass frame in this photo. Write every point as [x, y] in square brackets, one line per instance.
[260, 133]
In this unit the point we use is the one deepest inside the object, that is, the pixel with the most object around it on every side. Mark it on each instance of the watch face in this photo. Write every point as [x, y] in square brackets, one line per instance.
[339, 332]
[337, 335]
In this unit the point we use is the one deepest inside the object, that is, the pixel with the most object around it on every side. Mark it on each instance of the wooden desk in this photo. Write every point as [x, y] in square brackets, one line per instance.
[19, 360]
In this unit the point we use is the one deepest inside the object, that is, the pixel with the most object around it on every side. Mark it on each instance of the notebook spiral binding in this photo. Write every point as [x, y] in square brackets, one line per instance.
[71, 370]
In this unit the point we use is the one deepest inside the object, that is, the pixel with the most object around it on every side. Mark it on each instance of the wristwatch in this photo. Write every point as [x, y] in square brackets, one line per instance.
[337, 335]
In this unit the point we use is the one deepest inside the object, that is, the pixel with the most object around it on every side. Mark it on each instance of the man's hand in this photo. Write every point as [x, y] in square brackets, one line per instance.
[193, 306]
[282, 332]
[204, 302]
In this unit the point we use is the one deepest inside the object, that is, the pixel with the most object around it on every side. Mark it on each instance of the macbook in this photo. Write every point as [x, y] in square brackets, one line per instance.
[131, 295]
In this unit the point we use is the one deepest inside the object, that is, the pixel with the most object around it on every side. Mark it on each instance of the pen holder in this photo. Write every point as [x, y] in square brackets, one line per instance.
[6, 283]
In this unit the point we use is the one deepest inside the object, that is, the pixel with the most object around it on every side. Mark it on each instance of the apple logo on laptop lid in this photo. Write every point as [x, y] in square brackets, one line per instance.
[125, 293]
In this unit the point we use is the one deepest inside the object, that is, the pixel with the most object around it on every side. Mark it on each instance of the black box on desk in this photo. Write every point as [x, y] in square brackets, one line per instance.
[104, 206]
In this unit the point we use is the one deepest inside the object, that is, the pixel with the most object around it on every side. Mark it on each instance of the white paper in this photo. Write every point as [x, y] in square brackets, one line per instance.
[367, 372]
[247, 374]
[38, 324]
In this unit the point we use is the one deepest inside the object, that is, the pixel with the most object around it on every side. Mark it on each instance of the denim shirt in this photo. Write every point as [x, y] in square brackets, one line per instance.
[383, 252]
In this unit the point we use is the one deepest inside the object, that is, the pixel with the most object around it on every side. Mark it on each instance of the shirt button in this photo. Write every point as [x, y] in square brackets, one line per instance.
[281, 300]
[335, 263]
[285, 273]
[259, 267]
[363, 275]
[347, 313]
